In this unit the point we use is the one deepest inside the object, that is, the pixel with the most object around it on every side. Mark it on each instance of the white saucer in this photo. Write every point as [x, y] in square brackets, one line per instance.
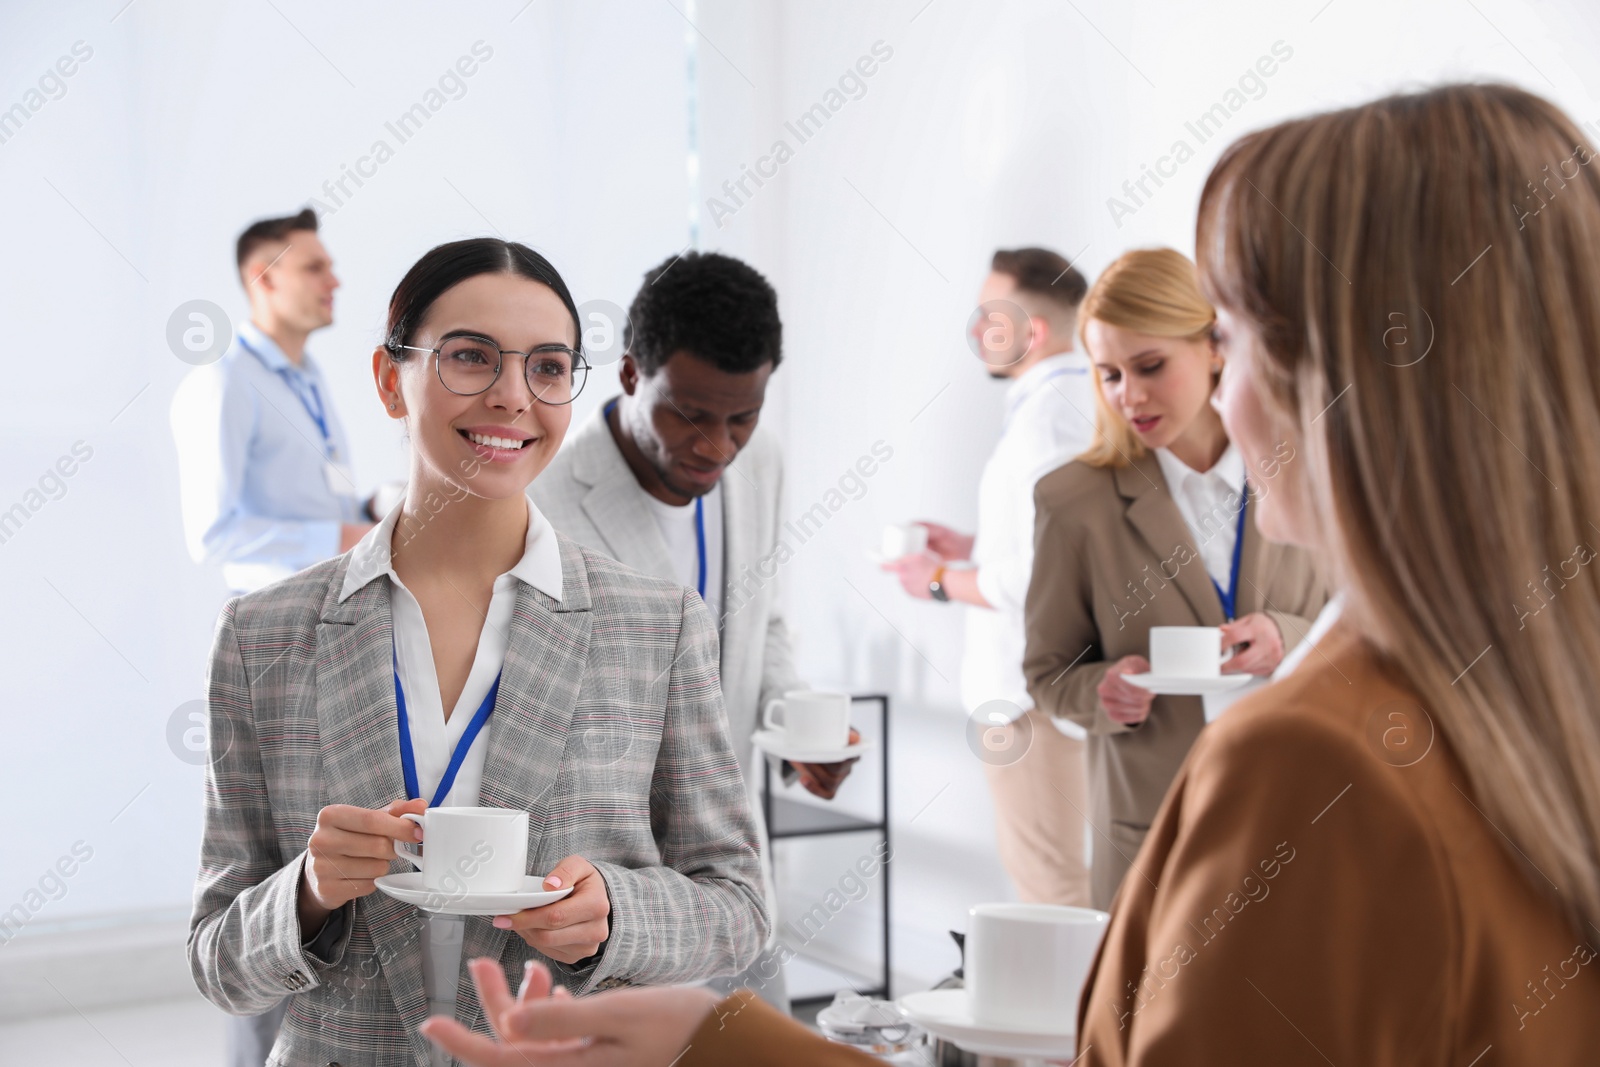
[1188, 687]
[943, 1013]
[772, 742]
[408, 887]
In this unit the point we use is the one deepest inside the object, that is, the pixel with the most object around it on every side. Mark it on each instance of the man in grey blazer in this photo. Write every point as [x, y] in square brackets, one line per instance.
[673, 479]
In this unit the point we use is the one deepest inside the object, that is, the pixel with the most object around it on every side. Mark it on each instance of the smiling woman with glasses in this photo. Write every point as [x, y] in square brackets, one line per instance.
[464, 654]
[470, 364]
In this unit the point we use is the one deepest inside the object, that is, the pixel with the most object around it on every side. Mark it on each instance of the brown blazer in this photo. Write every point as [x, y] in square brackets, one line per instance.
[1112, 558]
[1327, 894]
[1330, 892]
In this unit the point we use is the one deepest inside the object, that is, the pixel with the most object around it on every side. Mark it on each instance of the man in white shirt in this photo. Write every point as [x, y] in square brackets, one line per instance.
[673, 479]
[263, 462]
[1024, 332]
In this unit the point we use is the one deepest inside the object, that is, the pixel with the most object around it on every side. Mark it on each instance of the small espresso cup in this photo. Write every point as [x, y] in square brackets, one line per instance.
[907, 539]
[811, 718]
[1024, 964]
[1185, 651]
[469, 850]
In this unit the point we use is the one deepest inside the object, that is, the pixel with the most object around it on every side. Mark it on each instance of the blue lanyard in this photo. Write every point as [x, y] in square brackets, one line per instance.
[408, 758]
[699, 520]
[700, 541]
[308, 396]
[1230, 597]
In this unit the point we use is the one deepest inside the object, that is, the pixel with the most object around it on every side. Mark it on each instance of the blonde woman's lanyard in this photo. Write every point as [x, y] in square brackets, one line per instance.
[1230, 596]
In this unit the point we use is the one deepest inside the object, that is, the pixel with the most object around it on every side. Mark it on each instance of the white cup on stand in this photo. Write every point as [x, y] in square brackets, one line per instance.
[469, 850]
[812, 719]
[1186, 651]
[1024, 964]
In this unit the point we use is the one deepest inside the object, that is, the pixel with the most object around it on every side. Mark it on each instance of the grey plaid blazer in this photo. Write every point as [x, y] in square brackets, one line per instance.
[609, 730]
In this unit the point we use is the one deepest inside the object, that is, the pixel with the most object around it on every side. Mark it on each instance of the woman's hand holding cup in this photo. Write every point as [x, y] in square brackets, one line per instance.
[574, 927]
[1124, 702]
[1262, 644]
[348, 851]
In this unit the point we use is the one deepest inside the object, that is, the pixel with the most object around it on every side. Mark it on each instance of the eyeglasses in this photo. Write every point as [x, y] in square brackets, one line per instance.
[469, 365]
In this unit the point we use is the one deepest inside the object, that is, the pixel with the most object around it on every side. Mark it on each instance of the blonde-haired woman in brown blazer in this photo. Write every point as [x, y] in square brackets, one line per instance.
[1388, 857]
[1151, 527]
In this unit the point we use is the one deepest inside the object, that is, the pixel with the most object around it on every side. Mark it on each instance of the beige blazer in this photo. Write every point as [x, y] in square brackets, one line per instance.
[1327, 896]
[1112, 558]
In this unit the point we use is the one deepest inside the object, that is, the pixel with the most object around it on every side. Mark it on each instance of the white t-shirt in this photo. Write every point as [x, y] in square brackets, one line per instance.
[677, 523]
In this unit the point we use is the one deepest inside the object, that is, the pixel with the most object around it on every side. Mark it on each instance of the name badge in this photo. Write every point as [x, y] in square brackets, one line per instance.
[340, 483]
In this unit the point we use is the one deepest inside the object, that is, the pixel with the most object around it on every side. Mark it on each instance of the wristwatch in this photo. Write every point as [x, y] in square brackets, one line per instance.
[936, 587]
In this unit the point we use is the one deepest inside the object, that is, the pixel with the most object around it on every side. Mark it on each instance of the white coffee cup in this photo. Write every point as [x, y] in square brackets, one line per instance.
[1024, 964]
[1185, 651]
[470, 850]
[907, 539]
[812, 719]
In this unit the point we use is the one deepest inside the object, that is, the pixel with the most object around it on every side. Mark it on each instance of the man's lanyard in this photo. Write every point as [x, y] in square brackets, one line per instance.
[305, 390]
[699, 519]
[408, 758]
[1016, 405]
[1230, 597]
[700, 541]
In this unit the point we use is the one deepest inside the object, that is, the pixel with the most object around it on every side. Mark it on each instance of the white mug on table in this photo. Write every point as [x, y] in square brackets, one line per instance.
[1024, 964]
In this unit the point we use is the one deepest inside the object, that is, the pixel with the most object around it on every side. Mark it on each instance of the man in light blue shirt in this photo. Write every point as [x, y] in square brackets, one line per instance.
[262, 458]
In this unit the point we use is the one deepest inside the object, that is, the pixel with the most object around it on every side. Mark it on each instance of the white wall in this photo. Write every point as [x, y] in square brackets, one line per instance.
[1001, 124]
[991, 124]
[188, 121]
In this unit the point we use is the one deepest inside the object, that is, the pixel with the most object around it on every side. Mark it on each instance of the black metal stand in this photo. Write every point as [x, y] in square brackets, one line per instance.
[790, 819]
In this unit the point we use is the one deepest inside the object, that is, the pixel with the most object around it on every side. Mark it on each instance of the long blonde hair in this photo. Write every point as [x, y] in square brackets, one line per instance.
[1152, 291]
[1431, 324]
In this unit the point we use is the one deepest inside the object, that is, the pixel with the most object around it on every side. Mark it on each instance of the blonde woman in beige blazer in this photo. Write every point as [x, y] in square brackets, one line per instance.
[1118, 553]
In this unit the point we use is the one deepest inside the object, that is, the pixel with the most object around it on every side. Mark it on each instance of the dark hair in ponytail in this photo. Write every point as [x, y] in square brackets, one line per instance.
[449, 264]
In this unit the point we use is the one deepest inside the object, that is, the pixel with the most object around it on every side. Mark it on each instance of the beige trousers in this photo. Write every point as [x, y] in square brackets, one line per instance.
[1041, 807]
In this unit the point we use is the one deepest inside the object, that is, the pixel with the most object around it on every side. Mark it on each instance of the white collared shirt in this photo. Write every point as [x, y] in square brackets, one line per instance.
[1209, 504]
[262, 492]
[1049, 421]
[433, 738]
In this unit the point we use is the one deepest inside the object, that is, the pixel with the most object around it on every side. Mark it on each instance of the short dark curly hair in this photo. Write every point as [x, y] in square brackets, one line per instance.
[712, 306]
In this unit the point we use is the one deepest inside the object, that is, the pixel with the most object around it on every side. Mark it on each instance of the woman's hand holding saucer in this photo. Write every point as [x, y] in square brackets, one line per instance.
[348, 851]
[1125, 702]
[574, 927]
